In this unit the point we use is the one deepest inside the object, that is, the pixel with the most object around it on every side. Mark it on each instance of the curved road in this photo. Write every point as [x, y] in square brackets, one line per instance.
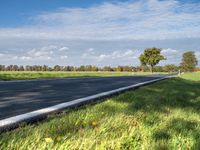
[19, 97]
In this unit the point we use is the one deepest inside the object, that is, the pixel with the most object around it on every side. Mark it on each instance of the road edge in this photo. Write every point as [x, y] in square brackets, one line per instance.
[13, 122]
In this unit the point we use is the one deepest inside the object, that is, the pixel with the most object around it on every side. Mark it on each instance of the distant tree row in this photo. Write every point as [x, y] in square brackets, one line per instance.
[166, 68]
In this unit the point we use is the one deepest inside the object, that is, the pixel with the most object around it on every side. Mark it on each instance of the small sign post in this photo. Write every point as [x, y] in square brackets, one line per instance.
[179, 72]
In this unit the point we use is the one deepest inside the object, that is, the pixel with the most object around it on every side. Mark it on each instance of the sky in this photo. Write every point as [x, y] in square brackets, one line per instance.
[96, 32]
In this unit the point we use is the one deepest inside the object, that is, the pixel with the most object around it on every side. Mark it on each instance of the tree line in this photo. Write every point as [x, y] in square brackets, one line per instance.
[166, 68]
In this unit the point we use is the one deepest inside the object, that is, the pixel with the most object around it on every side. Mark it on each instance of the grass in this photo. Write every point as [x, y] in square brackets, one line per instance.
[23, 75]
[165, 115]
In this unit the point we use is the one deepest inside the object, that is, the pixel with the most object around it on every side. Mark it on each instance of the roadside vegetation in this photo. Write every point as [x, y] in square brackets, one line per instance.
[164, 115]
[23, 75]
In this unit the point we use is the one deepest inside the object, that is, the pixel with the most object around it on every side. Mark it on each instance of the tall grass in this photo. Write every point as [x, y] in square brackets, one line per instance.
[165, 115]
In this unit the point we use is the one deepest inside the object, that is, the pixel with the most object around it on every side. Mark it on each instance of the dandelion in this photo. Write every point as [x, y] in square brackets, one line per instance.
[94, 123]
[49, 140]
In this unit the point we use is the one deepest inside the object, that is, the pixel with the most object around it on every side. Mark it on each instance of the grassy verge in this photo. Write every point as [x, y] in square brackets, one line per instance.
[165, 115]
[17, 75]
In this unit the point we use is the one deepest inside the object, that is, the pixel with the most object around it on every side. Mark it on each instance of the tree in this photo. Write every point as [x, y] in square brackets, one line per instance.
[2, 68]
[158, 69]
[119, 68]
[151, 57]
[81, 68]
[170, 68]
[57, 68]
[44, 68]
[21, 68]
[107, 68]
[189, 61]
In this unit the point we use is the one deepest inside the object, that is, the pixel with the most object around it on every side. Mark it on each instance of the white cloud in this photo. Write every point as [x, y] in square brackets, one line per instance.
[63, 48]
[49, 57]
[143, 19]
[25, 58]
[102, 57]
[43, 53]
[1, 55]
[198, 56]
[50, 52]
[169, 50]
[88, 53]
[90, 50]
[120, 55]
[64, 57]
[131, 54]
[115, 55]
[14, 57]
[47, 52]
[172, 55]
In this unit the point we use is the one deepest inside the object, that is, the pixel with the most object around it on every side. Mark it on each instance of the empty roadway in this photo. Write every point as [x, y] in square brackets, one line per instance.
[19, 97]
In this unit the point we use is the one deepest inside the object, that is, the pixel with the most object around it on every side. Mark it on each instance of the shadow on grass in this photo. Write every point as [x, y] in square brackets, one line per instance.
[172, 93]
[178, 127]
[159, 98]
[162, 98]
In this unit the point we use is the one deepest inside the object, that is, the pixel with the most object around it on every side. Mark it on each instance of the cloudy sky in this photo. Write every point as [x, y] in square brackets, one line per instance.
[96, 32]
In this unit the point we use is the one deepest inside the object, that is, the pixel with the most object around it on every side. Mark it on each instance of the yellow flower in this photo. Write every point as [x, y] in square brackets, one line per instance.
[94, 123]
[49, 140]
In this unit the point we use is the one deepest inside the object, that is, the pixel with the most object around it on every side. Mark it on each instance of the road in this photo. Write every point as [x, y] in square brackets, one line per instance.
[19, 97]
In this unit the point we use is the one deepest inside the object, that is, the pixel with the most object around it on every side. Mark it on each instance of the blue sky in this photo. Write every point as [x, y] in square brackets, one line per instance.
[17, 12]
[97, 32]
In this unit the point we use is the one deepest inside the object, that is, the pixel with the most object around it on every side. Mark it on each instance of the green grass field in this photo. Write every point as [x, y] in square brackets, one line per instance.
[23, 75]
[165, 115]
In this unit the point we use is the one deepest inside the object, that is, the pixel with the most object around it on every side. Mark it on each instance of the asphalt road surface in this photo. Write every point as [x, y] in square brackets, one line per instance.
[19, 97]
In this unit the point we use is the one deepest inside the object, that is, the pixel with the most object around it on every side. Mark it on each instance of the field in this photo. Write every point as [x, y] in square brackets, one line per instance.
[164, 115]
[23, 75]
